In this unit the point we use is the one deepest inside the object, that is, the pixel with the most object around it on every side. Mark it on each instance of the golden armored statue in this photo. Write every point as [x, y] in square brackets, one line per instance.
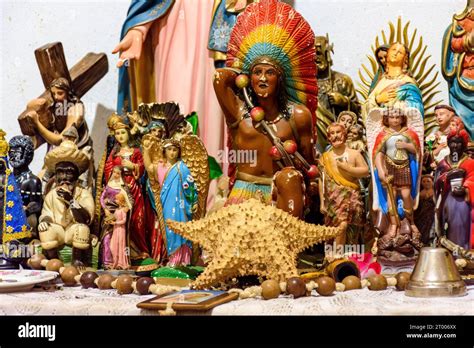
[336, 92]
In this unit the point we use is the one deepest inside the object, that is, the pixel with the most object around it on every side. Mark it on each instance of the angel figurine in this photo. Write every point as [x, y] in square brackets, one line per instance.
[178, 196]
[395, 156]
[168, 169]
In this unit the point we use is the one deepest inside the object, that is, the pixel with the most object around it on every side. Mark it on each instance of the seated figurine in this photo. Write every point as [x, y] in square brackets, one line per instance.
[68, 208]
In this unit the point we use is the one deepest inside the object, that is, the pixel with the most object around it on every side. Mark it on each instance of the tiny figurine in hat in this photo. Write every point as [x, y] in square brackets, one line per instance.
[68, 208]
[14, 225]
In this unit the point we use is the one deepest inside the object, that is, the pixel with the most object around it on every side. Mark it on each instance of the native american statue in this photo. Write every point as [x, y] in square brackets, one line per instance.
[268, 93]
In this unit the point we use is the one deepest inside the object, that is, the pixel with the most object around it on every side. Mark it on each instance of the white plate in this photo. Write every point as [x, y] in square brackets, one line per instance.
[24, 279]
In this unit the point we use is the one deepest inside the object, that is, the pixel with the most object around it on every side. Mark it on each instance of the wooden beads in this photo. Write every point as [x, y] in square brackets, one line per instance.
[104, 281]
[377, 282]
[88, 279]
[68, 275]
[326, 286]
[35, 261]
[270, 289]
[296, 286]
[53, 264]
[123, 284]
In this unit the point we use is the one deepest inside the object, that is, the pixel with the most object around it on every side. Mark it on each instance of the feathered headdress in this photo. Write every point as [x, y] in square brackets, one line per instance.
[274, 33]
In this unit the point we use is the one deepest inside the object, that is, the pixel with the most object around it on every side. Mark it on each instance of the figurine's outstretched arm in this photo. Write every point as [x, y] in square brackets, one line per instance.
[132, 44]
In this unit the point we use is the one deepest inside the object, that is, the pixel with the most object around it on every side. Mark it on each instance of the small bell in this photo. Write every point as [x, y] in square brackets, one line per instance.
[435, 275]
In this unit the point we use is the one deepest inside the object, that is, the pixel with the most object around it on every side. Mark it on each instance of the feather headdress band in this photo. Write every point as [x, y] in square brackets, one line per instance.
[273, 32]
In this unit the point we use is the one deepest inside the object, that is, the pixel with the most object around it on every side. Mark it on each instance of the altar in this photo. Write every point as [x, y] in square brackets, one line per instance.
[77, 301]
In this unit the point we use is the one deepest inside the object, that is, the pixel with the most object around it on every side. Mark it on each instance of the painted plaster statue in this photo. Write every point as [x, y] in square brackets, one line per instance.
[268, 93]
[395, 154]
[454, 189]
[396, 88]
[118, 242]
[14, 227]
[341, 199]
[129, 156]
[50, 121]
[66, 110]
[425, 213]
[381, 57]
[458, 64]
[68, 208]
[20, 156]
[163, 41]
[224, 16]
[355, 139]
[437, 146]
[178, 197]
[108, 200]
[336, 90]
[169, 134]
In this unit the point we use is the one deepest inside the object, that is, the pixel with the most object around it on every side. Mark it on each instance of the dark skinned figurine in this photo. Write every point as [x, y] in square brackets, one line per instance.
[68, 208]
[20, 156]
[14, 228]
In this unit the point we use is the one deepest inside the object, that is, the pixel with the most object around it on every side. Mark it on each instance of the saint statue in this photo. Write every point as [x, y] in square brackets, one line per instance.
[395, 154]
[336, 92]
[458, 64]
[396, 88]
[20, 156]
[454, 189]
[341, 198]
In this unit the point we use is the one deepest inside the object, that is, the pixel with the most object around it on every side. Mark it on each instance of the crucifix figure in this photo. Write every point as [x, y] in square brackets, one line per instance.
[58, 108]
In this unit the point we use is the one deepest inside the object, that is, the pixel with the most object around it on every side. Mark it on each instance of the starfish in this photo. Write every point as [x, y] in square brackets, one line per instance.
[251, 238]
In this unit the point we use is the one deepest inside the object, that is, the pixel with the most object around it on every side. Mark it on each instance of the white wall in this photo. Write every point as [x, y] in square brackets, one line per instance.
[94, 26]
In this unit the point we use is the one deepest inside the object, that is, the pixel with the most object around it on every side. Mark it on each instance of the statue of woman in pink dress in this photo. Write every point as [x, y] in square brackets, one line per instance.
[118, 242]
[108, 202]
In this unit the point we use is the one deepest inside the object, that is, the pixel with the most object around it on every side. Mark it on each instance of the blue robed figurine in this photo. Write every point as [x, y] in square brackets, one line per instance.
[12, 218]
[176, 198]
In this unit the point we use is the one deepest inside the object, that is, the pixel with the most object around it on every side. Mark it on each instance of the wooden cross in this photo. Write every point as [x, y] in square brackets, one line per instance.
[52, 65]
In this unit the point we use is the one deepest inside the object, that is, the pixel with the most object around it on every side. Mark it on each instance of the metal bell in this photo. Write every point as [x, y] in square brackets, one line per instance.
[435, 275]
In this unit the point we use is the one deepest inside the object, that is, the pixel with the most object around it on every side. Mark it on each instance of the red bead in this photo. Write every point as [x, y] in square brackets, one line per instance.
[312, 171]
[276, 155]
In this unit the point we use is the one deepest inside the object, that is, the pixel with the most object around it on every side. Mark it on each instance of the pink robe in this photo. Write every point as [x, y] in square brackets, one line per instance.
[118, 242]
[184, 67]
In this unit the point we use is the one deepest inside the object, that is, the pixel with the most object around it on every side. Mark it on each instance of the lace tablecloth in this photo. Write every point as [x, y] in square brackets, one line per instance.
[78, 301]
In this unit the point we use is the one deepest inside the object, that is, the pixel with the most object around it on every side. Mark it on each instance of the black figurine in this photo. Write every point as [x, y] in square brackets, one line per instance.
[20, 156]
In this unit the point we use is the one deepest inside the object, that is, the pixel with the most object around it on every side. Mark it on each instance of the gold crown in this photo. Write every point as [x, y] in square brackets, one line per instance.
[3, 144]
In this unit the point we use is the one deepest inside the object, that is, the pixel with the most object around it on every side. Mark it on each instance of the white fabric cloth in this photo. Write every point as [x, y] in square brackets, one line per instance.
[78, 301]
